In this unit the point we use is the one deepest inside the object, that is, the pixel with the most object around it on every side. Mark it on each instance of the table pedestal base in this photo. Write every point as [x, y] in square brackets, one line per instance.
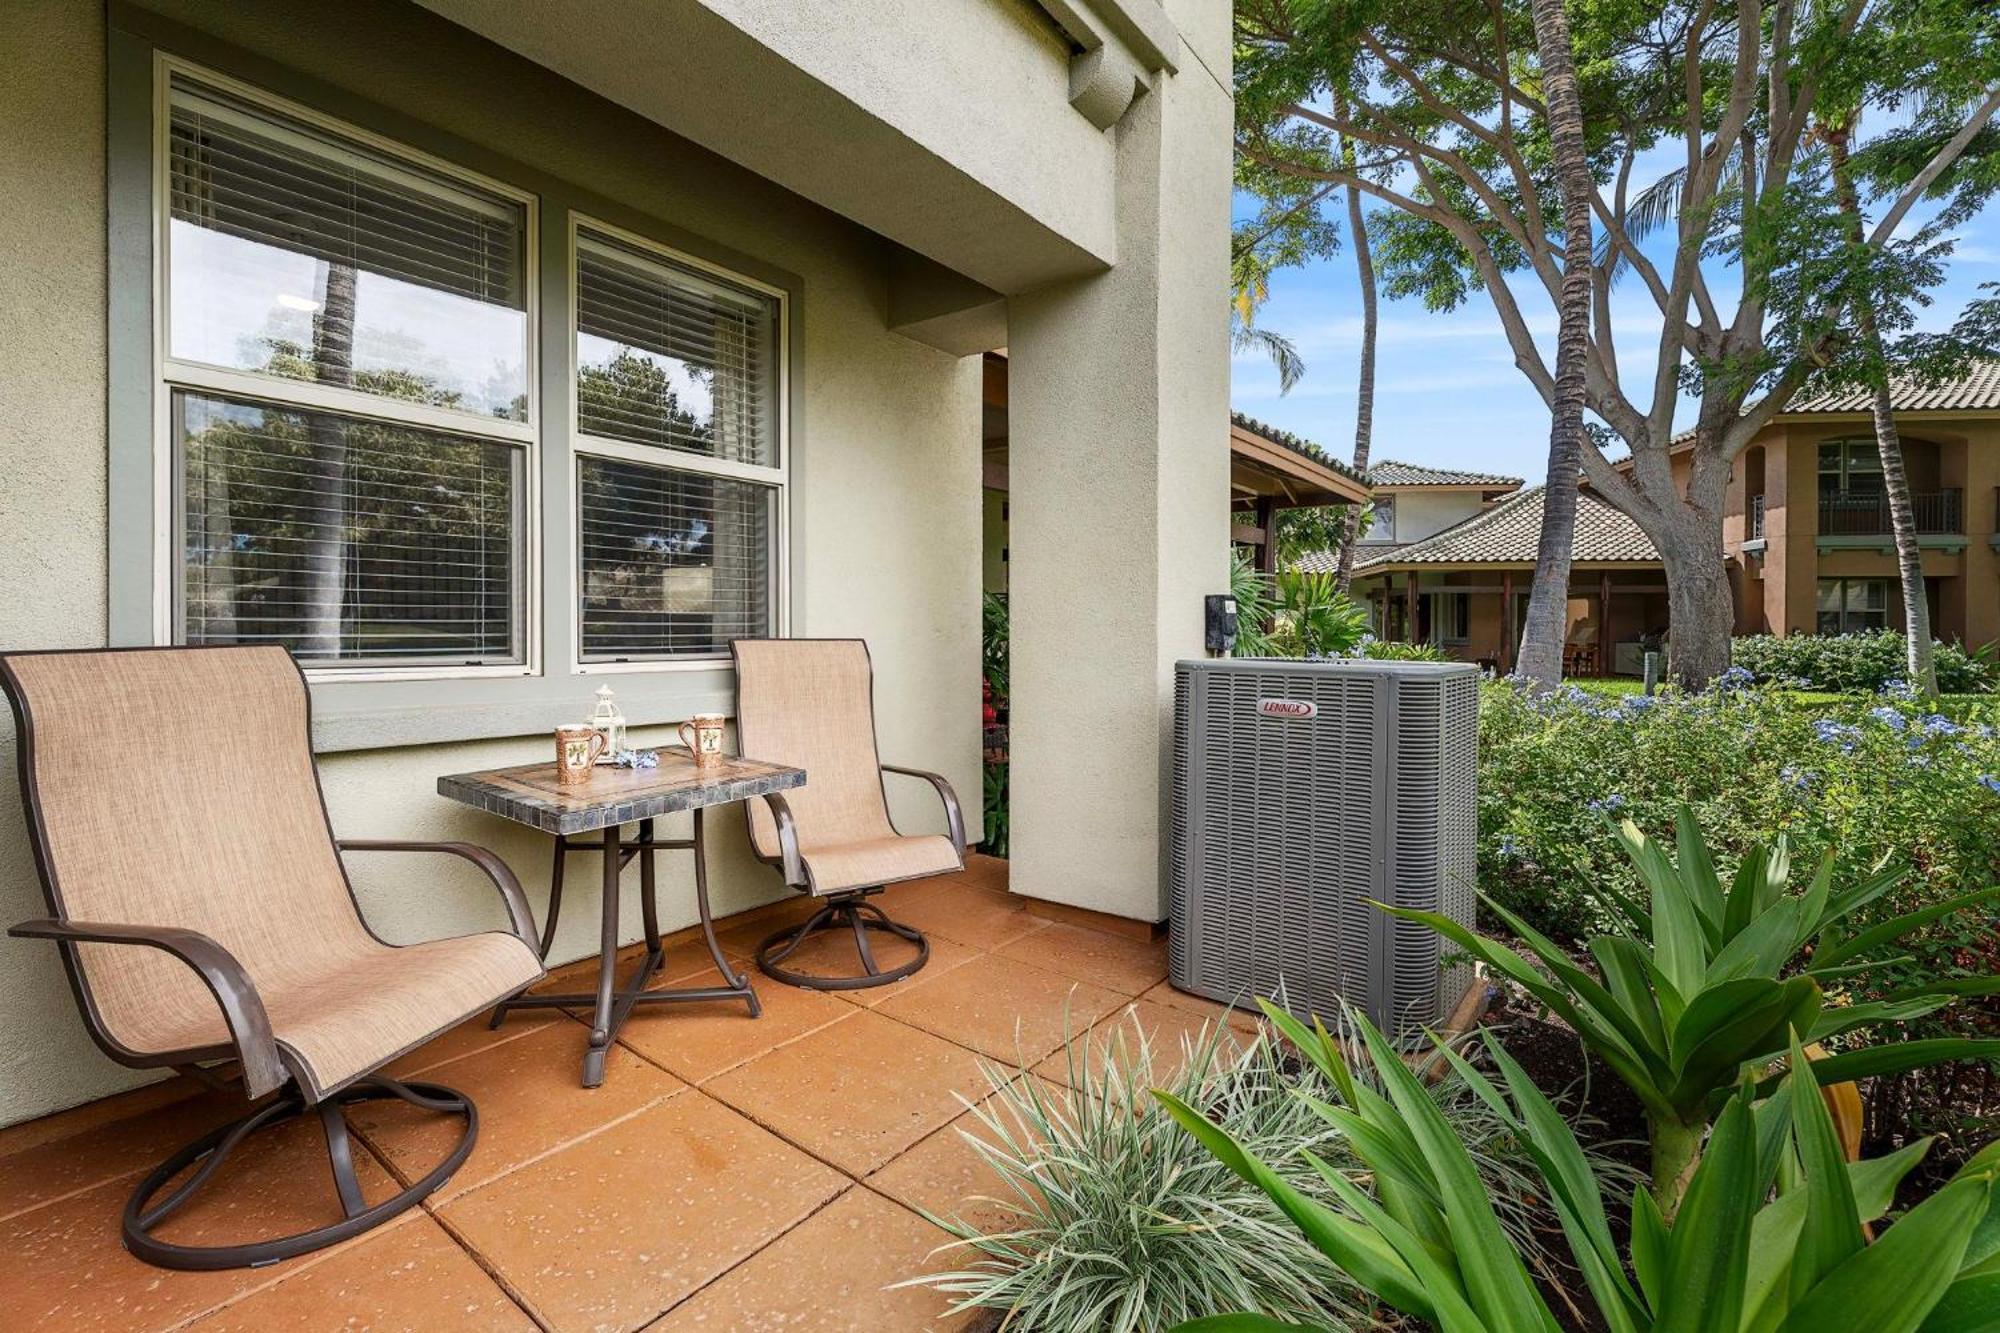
[611, 1005]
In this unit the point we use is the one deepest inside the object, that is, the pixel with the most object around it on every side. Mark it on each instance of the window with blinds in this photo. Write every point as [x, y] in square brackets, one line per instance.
[346, 365]
[344, 539]
[680, 476]
[297, 254]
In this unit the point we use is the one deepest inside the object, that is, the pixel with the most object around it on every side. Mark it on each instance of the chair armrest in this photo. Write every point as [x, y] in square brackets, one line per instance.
[788, 841]
[496, 870]
[242, 1008]
[954, 816]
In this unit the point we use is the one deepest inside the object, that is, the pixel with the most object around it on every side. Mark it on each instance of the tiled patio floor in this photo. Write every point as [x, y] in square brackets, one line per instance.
[730, 1174]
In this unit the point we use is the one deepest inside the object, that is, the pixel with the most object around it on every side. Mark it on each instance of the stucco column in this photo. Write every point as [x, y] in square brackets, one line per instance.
[1118, 476]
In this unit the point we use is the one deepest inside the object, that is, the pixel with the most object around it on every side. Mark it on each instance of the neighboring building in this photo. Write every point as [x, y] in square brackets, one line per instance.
[1271, 470]
[1463, 583]
[485, 352]
[1807, 529]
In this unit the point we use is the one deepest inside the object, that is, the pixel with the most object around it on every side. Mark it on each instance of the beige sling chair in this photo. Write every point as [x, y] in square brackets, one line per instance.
[810, 703]
[197, 893]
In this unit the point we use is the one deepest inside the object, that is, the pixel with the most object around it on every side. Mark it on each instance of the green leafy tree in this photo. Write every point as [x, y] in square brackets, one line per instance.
[1448, 110]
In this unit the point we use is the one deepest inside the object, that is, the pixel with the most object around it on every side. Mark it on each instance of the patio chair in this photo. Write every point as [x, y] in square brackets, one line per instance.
[810, 703]
[197, 894]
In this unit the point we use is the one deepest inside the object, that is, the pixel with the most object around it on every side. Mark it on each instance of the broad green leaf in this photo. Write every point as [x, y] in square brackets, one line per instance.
[1897, 1056]
[1763, 947]
[1444, 1286]
[1708, 1249]
[1774, 1236]
[1652, 1247]
[1680, 945]
[1756, 1030]
[1358, 1251]
[1746, 893]
[1832, 1230]
[1834, 1021]
[1496, 1282]
[1623, 964]
[1590, 994]
[1971, 1304]
[1890, 1286]
[1897, 927]
[1697, 871]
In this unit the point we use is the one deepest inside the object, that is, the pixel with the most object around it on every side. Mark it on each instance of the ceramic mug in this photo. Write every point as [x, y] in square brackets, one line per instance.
[702, 734]
[577, 748]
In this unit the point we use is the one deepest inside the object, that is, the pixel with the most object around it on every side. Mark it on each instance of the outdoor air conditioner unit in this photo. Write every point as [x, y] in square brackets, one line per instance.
[1303, 790]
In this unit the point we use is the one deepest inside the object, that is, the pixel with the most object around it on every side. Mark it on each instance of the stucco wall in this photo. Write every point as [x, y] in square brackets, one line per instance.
[886, 483]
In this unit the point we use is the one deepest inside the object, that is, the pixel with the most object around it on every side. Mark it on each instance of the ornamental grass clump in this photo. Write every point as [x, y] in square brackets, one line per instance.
[1114, 1221]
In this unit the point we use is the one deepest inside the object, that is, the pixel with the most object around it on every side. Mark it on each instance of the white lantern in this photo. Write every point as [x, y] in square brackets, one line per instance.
[610, 723]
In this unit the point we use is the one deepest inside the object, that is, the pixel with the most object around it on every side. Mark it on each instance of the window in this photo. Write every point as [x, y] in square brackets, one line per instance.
[1451, 616]
[346, 392]
[1850, 467]
[680, 470]
[1382, 519]
[1853, 606]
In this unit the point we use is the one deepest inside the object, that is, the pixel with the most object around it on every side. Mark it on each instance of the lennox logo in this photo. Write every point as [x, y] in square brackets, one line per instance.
[1287, 708]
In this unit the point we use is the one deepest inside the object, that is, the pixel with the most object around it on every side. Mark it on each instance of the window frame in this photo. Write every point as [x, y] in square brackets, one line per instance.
[1849, 446]
[579, 445]
[170, 374]
[1843, 583]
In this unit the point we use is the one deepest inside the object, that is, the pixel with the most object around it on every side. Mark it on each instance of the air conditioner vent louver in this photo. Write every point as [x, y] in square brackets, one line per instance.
[1302, 791]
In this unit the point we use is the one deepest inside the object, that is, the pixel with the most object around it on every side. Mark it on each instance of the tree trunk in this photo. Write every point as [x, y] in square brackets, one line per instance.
[326, 474]
[1547, 627]
[1701, 614]
[1888, 443]
[1364, 407]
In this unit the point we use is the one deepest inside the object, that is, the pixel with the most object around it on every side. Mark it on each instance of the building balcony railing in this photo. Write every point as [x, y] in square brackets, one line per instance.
[1866, 513]
[1756, 518]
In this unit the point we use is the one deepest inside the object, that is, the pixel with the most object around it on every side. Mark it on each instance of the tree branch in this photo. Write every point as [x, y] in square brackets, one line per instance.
[1940, 161]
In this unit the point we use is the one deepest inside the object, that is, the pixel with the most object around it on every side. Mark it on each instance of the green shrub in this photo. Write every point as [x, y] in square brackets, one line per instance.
[1866, 662]
[1386, 650]
[1114, 1221]
[1868, 780]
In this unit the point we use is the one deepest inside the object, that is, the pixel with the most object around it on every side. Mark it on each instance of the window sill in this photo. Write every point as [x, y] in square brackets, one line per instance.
[376, 715]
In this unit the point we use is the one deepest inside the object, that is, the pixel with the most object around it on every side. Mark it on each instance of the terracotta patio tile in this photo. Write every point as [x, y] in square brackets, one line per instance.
[118, 1150]
[1248, 1018]
[469, 1038]
[830, 1273]
[697, 1041]
[529, 1099]
[1002, 1008]
[1169, 1033]
[858, 1091]
[611, 1231]
[946, 1176]
[1130, 966]
[67, 1270]
[945, 955]
[411, 1278]
[742, 939]
[973, 916]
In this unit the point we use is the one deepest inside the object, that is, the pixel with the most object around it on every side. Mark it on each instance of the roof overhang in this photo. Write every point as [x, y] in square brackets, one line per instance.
[1261, 468]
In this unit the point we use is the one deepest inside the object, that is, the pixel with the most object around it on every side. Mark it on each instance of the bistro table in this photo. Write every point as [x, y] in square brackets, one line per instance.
[614, 796]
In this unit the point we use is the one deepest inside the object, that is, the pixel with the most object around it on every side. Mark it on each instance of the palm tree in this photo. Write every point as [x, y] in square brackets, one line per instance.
[1364, 405]
[1541, 657]
[1835, 132]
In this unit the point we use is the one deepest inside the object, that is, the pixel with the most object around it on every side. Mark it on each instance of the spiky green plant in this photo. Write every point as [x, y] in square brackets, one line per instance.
[1769, 1239]
[1707, 982]
[1112, 1219]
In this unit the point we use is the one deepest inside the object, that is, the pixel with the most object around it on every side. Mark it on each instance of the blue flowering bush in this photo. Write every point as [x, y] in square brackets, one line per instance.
[1869, 662]
[1873, 778]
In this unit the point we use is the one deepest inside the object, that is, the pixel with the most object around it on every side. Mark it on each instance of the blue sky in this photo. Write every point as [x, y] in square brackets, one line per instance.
[1447, 392]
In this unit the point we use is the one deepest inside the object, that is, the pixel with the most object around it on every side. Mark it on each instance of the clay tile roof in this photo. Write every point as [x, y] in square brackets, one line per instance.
[1296, 444]
[1979, 388]
[1389, 472]
[1507, 532]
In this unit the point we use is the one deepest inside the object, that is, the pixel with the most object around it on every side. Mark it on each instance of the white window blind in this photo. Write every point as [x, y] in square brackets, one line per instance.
[346, 374]
[680, 473]
[670, 358]
[298, 254]
[347, 540]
